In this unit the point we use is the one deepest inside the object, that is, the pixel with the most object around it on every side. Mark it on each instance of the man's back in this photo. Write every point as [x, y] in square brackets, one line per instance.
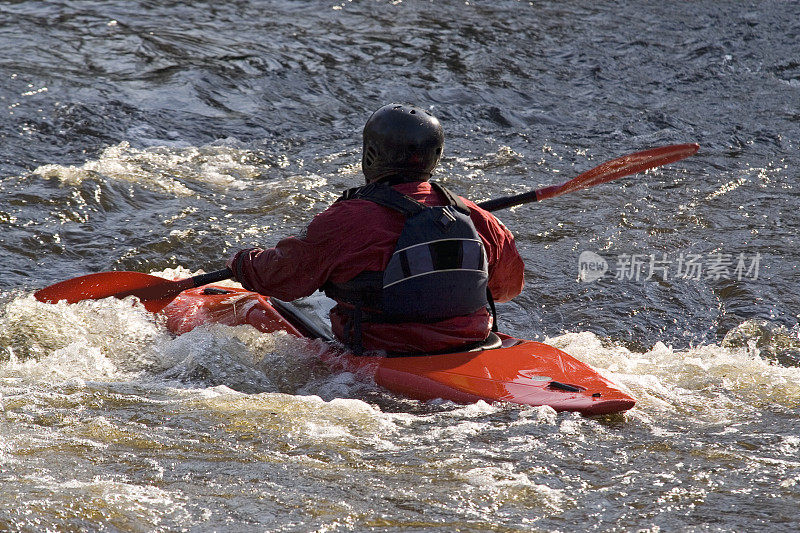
[354, 236]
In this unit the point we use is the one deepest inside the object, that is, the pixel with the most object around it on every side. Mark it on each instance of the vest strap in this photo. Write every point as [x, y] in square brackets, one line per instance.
[492, 308]
[452, 199]
[382, 194]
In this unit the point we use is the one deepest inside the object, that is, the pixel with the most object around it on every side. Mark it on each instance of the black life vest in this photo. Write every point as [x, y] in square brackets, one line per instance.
[438, 269]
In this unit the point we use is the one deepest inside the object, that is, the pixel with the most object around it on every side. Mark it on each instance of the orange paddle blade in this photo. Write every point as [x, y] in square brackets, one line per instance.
[610, 170]
[622, 166]
[154, 292]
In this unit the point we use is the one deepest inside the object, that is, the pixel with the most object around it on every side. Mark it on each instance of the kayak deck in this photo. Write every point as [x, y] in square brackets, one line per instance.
[519, 371]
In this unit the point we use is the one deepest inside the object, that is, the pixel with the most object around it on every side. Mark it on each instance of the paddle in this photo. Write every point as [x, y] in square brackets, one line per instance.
[156, 293]
[610, 170]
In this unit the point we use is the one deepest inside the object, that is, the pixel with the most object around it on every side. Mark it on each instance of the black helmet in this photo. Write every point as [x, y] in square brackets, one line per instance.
[401, 140]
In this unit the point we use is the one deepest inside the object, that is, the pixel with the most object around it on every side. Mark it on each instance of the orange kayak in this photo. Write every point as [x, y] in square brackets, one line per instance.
[502, 369]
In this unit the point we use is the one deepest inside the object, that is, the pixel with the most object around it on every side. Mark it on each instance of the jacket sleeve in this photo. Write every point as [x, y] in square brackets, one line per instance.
[280, 271]
[506, 268]
[333, 247]
[294, 268]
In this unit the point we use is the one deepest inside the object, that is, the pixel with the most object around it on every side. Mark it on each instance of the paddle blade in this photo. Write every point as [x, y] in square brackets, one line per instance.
[154, 292]
[622, 166]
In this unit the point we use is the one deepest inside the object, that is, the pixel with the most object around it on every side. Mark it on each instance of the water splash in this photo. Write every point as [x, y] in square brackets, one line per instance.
[710, 383]
[175, 170]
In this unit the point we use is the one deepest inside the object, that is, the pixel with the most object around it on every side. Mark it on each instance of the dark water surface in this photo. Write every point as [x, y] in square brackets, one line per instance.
[155, 136]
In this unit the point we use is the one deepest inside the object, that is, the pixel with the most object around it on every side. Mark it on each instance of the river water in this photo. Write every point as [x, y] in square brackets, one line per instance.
[162, 136]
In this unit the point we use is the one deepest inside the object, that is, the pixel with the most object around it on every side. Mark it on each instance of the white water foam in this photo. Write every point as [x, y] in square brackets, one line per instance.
[127, 505]
[711, 383]
[170, 169]
[98, 340]
[504, 485]
[303, 420]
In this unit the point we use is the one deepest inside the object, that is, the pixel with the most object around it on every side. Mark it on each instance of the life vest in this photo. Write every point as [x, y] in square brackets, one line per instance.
[438, 270]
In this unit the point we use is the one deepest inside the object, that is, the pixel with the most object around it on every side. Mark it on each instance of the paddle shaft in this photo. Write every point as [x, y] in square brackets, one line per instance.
[170, 289]
[509, 201]
[211, 277]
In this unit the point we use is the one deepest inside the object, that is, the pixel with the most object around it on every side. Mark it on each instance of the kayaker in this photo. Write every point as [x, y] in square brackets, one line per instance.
[407, 261]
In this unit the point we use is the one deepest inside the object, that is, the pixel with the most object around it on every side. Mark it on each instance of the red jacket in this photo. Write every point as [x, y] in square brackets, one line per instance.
[356, 235]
